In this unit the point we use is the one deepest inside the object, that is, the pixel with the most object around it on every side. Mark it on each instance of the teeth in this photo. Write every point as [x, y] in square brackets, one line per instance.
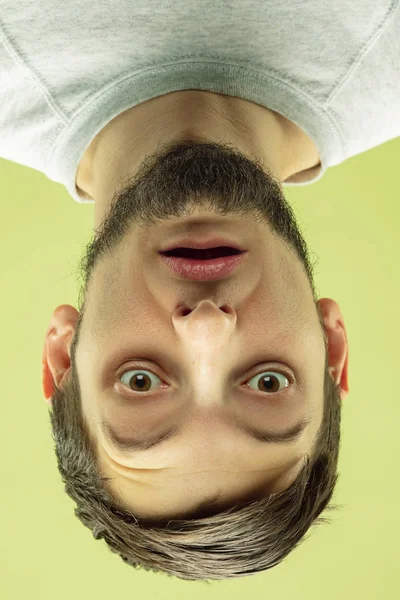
[202, 254]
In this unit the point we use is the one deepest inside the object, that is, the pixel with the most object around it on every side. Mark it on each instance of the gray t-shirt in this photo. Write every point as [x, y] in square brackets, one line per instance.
[66, 70]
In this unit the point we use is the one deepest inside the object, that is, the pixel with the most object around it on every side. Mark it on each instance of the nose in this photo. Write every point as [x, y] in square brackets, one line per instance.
[205, 331]
[205, 338]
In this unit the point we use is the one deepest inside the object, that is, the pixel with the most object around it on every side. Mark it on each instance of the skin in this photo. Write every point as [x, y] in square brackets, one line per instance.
[200, 366]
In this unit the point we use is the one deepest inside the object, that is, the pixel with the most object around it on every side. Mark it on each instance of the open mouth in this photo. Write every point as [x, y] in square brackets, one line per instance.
[203, 264]
[202, 254]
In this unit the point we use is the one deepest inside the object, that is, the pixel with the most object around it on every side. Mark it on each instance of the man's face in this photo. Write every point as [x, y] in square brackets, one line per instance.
[156, 351]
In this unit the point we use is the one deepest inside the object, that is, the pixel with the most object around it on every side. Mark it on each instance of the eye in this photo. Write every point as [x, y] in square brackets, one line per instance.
[140, 382]
[267, 381]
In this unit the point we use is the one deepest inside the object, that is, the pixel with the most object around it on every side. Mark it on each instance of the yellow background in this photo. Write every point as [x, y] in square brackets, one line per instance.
[351, 222]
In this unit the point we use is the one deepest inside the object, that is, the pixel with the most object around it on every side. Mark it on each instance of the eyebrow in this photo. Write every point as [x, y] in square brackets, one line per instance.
[128, 444]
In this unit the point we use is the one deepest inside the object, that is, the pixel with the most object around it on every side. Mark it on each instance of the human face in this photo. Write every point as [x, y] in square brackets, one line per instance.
[210, 356]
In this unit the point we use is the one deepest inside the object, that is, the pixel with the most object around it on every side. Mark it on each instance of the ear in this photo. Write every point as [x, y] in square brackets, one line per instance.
[56, 359]
[338, 349]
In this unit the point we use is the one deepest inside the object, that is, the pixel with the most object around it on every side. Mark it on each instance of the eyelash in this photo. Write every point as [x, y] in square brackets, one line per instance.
[140, 367]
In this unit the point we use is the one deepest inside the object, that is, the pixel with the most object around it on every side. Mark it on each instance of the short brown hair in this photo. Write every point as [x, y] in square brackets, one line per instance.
[243, 540]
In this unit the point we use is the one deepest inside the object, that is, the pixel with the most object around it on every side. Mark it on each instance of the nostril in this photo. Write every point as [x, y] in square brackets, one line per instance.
[184, 311]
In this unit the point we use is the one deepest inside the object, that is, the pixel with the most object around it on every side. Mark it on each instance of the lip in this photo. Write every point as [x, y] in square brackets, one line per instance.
[199, 243]
[203, 270]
